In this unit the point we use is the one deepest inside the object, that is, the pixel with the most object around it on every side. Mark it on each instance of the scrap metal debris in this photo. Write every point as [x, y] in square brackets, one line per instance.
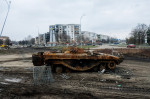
[101, 72]
[65, 76]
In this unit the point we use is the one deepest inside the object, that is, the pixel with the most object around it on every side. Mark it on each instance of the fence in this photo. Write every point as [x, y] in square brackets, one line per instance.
[42, 75]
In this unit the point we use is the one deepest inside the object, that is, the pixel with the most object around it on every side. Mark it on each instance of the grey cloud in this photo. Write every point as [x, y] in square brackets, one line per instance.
[115, 17]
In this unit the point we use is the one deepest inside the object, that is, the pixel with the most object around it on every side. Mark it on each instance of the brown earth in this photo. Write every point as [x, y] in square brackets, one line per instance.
[130, 79]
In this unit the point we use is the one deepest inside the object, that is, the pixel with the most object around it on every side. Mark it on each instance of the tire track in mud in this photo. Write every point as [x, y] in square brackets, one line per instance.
[77, 89]
[16, 59]
[105, 86]
[115, 85]
[108, 91]
[24, 90]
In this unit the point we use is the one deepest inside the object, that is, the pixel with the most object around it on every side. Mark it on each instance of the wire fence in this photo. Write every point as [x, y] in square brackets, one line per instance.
[42, 75]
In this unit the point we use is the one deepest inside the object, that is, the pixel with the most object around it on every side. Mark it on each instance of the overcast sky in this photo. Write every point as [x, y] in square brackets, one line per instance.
[109, 17]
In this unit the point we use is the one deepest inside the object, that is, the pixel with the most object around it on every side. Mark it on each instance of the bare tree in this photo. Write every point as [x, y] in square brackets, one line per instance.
[80, 39]
[32, 41]
[148, 35]
[130, 40]
[1, 41]
[29, 40]
[29, 37]
[138, 34]
[7, 42]
[63, 38]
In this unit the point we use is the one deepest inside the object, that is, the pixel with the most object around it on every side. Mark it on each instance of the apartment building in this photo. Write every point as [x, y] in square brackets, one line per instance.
[90, 35]
[73, 30]
[69, 33]
[63, 33]
[58, 34]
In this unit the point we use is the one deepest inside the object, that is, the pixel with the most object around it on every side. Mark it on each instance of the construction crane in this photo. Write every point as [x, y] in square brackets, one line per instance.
[8, 3]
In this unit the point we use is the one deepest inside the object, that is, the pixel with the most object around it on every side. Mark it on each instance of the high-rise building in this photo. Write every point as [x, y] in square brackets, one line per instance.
[52, 40]
[90, 35]
[63, 33]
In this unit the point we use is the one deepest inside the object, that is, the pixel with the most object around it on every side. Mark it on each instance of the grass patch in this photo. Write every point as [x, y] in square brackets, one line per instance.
[87, 46]
[143, 46]
[122, 45]
[84, 47]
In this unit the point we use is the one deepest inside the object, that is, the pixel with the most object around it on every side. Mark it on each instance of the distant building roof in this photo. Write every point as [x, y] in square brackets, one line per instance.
[4, 37]
[64, 24]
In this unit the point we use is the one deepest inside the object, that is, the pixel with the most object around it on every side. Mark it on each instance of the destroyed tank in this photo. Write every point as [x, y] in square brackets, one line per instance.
[76, 59]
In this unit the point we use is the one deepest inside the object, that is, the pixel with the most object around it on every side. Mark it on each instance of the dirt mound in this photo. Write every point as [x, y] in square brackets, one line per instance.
[25, 50]
[15, 91]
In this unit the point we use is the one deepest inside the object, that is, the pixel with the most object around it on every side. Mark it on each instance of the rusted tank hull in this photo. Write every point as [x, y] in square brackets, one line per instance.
[76, 62]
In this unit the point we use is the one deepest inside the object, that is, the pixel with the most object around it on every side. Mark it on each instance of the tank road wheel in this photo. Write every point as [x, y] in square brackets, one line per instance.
[67, 70]
[95, 68]
[59, 69]
[111, 65]
[102, 67]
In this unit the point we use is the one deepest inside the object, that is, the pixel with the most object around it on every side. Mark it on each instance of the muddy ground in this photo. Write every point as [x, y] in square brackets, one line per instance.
[130, 79]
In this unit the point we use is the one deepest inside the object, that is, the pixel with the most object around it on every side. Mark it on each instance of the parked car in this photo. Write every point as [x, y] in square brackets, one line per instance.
[116, 43]
[100, 44]
[131, 46]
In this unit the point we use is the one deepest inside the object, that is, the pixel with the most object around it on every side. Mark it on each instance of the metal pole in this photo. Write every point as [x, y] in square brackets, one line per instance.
[39, 36]
[5, 18]
[146, 36]
[80, 29]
